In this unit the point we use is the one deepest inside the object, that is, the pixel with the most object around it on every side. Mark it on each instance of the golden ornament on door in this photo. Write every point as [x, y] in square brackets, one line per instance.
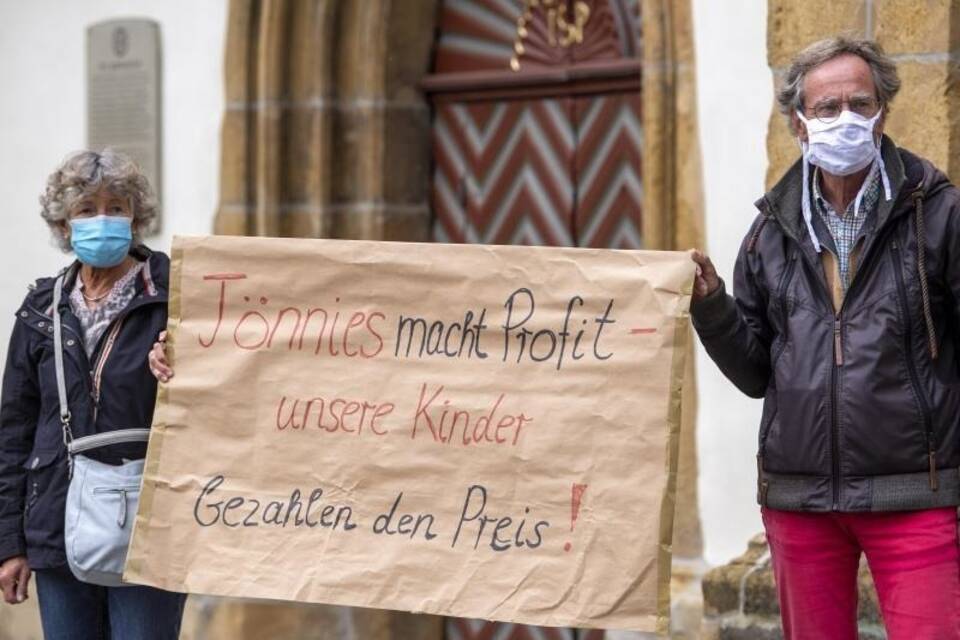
[560, 31]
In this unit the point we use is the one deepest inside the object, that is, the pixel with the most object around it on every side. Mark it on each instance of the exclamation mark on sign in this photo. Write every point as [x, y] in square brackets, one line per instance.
[576, 497]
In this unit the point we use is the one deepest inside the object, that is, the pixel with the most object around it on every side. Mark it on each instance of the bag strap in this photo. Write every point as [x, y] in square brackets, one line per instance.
[75, 446]
[106, 438]
[58, 360]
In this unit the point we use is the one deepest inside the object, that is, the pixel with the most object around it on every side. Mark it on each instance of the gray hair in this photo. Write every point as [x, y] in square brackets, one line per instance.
[885, 79]
[82, 174]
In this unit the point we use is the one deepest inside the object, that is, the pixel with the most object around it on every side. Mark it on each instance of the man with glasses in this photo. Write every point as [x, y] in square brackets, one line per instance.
[845, 322]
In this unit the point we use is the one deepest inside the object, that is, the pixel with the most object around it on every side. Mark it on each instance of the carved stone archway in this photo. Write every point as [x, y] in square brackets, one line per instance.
[325, 128]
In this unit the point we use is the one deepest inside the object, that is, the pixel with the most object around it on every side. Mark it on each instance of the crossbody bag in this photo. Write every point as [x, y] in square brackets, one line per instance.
[102, 498]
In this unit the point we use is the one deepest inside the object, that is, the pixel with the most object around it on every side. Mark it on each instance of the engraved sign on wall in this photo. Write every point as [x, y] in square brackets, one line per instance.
[124, 93]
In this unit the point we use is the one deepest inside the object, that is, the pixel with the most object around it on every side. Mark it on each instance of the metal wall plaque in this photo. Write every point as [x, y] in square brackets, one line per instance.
[124, 93]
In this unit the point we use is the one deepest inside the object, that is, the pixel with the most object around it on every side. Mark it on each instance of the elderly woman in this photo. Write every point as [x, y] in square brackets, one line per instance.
[114, 307]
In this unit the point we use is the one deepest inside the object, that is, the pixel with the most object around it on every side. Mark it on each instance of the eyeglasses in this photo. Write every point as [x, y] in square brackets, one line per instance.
[829, 110]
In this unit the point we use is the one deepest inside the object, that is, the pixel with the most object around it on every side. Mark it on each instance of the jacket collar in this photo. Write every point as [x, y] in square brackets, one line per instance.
[145, 282]
[782, 202]
[150, 285]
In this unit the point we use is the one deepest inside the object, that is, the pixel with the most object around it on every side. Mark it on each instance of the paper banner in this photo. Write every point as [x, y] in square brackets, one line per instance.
[474, 431]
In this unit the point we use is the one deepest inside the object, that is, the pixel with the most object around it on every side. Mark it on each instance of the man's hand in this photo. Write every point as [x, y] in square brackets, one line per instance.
[14, 579]
[707, 280]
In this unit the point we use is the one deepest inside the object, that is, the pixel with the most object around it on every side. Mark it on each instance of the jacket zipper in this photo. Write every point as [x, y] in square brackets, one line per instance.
[834, 383]
[781, 298]
[96, 374]
[870, 256]
[838, 360]
[788, 273]
[912, 366]
[106, 345]
[834, 406]
[34, 496]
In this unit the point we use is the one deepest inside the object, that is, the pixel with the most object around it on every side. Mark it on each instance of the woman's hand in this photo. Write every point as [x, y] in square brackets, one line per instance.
[157, 358]
[707, 280]
[14, 579]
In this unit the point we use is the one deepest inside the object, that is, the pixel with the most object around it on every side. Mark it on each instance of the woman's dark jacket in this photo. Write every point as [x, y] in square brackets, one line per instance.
[862, 394]
[33, 461]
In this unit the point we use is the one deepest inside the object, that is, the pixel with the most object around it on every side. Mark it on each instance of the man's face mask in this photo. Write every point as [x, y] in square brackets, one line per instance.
[839, 147]
[843, 146]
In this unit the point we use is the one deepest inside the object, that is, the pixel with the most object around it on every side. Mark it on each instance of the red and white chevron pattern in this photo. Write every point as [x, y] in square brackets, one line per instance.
[476, 34]
[609, 194]
[503, 172]
[560, 171]
[546, 172]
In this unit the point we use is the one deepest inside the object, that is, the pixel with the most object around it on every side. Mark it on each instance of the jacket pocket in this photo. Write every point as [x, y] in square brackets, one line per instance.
[40, 469]
[41, 458]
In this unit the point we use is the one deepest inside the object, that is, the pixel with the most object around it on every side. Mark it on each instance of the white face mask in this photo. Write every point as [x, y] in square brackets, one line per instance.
[840, 148]
[843, 146]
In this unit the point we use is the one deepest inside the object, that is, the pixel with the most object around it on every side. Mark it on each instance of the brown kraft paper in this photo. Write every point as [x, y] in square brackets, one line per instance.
[476, 431]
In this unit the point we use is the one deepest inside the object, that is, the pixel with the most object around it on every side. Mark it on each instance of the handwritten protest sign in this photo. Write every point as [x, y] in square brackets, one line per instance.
[462, 430]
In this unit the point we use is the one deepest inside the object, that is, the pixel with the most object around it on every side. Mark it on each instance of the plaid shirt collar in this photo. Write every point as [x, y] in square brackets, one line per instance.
[871, 195]
[845, 229]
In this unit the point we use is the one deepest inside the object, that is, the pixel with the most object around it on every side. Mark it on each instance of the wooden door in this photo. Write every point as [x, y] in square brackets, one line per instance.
[536, 141]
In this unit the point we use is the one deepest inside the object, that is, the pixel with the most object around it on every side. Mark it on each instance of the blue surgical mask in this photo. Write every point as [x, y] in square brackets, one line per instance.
[101, 241]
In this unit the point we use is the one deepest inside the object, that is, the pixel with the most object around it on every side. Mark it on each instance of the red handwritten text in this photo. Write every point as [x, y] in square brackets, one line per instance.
[436, 418]
[321, 329]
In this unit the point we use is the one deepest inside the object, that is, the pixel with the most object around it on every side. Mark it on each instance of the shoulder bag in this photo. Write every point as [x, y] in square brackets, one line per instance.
[102, 498]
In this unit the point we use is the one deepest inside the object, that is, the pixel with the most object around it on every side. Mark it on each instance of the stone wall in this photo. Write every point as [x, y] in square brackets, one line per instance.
[326, 133]
[741, 599]
[922, 37]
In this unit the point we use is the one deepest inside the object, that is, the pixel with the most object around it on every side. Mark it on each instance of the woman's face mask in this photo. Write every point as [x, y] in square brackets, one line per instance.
[843, 146]
[101, 241]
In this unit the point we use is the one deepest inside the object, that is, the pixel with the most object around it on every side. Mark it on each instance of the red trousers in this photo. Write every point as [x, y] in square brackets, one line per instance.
[913, 556]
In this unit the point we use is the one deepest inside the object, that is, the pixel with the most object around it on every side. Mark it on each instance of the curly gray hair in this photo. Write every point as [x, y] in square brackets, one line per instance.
[82, 174]
[884, 70]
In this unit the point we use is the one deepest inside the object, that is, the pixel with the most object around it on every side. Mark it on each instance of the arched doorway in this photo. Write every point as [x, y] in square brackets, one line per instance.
[536, 140]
